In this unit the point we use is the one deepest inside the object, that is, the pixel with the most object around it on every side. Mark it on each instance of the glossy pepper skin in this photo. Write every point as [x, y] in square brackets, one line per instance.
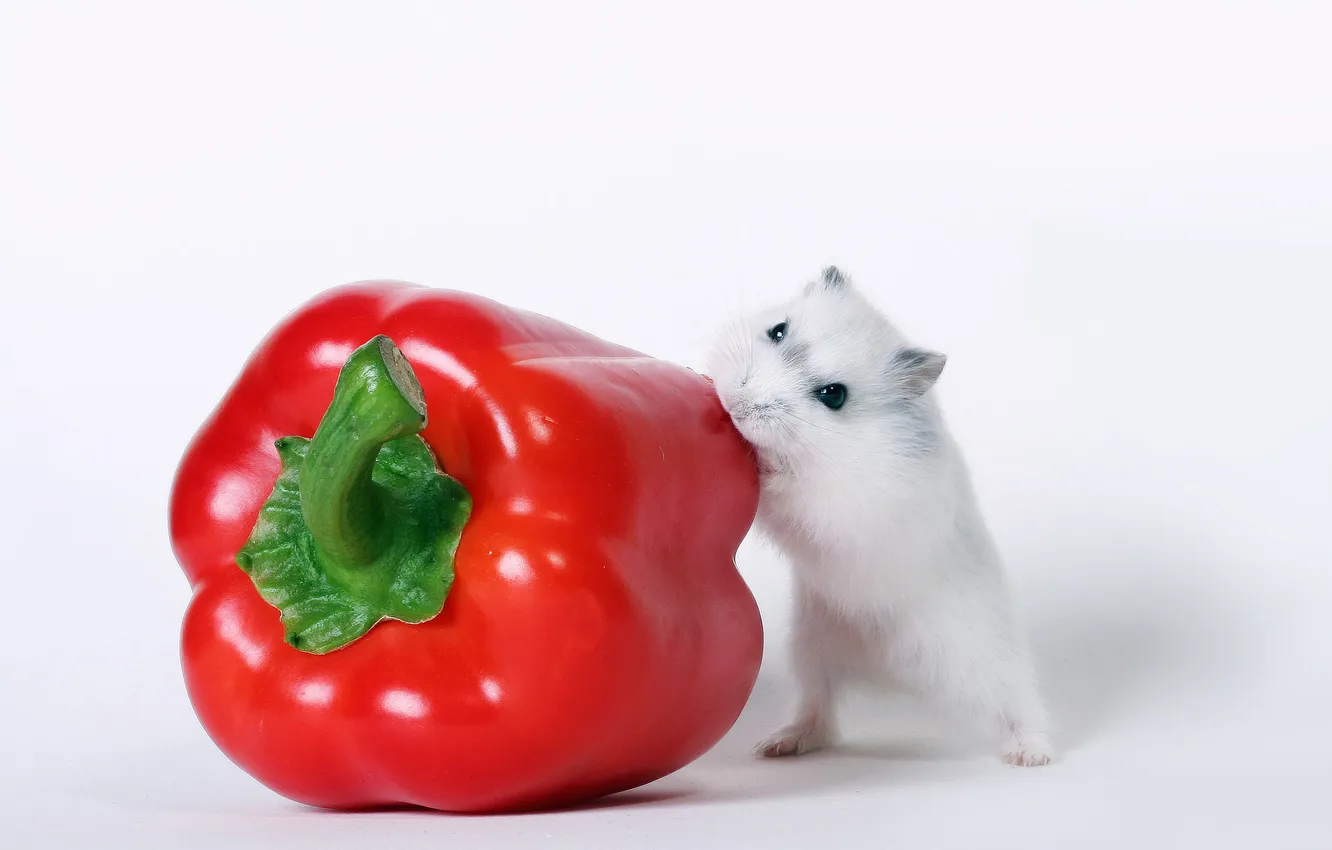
[597, 635]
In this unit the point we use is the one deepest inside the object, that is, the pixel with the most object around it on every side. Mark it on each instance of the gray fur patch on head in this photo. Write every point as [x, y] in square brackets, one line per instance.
[795, 354]
[917, 369]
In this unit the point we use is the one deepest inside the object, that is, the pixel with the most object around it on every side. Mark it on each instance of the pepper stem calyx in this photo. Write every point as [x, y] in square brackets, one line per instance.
[361, 525]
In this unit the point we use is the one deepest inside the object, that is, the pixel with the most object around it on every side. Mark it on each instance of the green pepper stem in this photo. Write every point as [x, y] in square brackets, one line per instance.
[377, 399]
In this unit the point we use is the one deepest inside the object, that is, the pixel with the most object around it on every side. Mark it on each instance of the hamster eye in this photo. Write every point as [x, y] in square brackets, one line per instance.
[833, 396]
[777, 332]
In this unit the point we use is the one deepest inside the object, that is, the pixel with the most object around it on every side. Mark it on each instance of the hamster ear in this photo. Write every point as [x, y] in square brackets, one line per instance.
[831, 279]
[917, 369]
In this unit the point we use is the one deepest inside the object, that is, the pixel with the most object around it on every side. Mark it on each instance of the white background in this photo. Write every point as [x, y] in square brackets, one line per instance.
[1115, 218]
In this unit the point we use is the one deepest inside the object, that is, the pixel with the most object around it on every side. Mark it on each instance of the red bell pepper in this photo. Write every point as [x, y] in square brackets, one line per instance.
[526, 598]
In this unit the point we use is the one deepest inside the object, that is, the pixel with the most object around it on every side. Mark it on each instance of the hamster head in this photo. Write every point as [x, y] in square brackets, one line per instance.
[825, 378]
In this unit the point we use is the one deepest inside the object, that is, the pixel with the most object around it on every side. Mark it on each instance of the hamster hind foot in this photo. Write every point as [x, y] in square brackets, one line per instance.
[1024, 749]
[801, 737]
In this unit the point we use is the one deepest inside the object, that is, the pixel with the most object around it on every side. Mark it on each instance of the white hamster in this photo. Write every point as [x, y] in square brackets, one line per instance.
[897, 578]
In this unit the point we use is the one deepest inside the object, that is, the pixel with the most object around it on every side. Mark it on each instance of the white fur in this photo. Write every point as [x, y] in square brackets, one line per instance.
[896, 574]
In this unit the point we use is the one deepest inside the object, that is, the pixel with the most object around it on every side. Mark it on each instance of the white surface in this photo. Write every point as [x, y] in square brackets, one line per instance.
[1117, 223]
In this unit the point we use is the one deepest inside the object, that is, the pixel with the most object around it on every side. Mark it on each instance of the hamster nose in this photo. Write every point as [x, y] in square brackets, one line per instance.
[731, 401]
[741, 405]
